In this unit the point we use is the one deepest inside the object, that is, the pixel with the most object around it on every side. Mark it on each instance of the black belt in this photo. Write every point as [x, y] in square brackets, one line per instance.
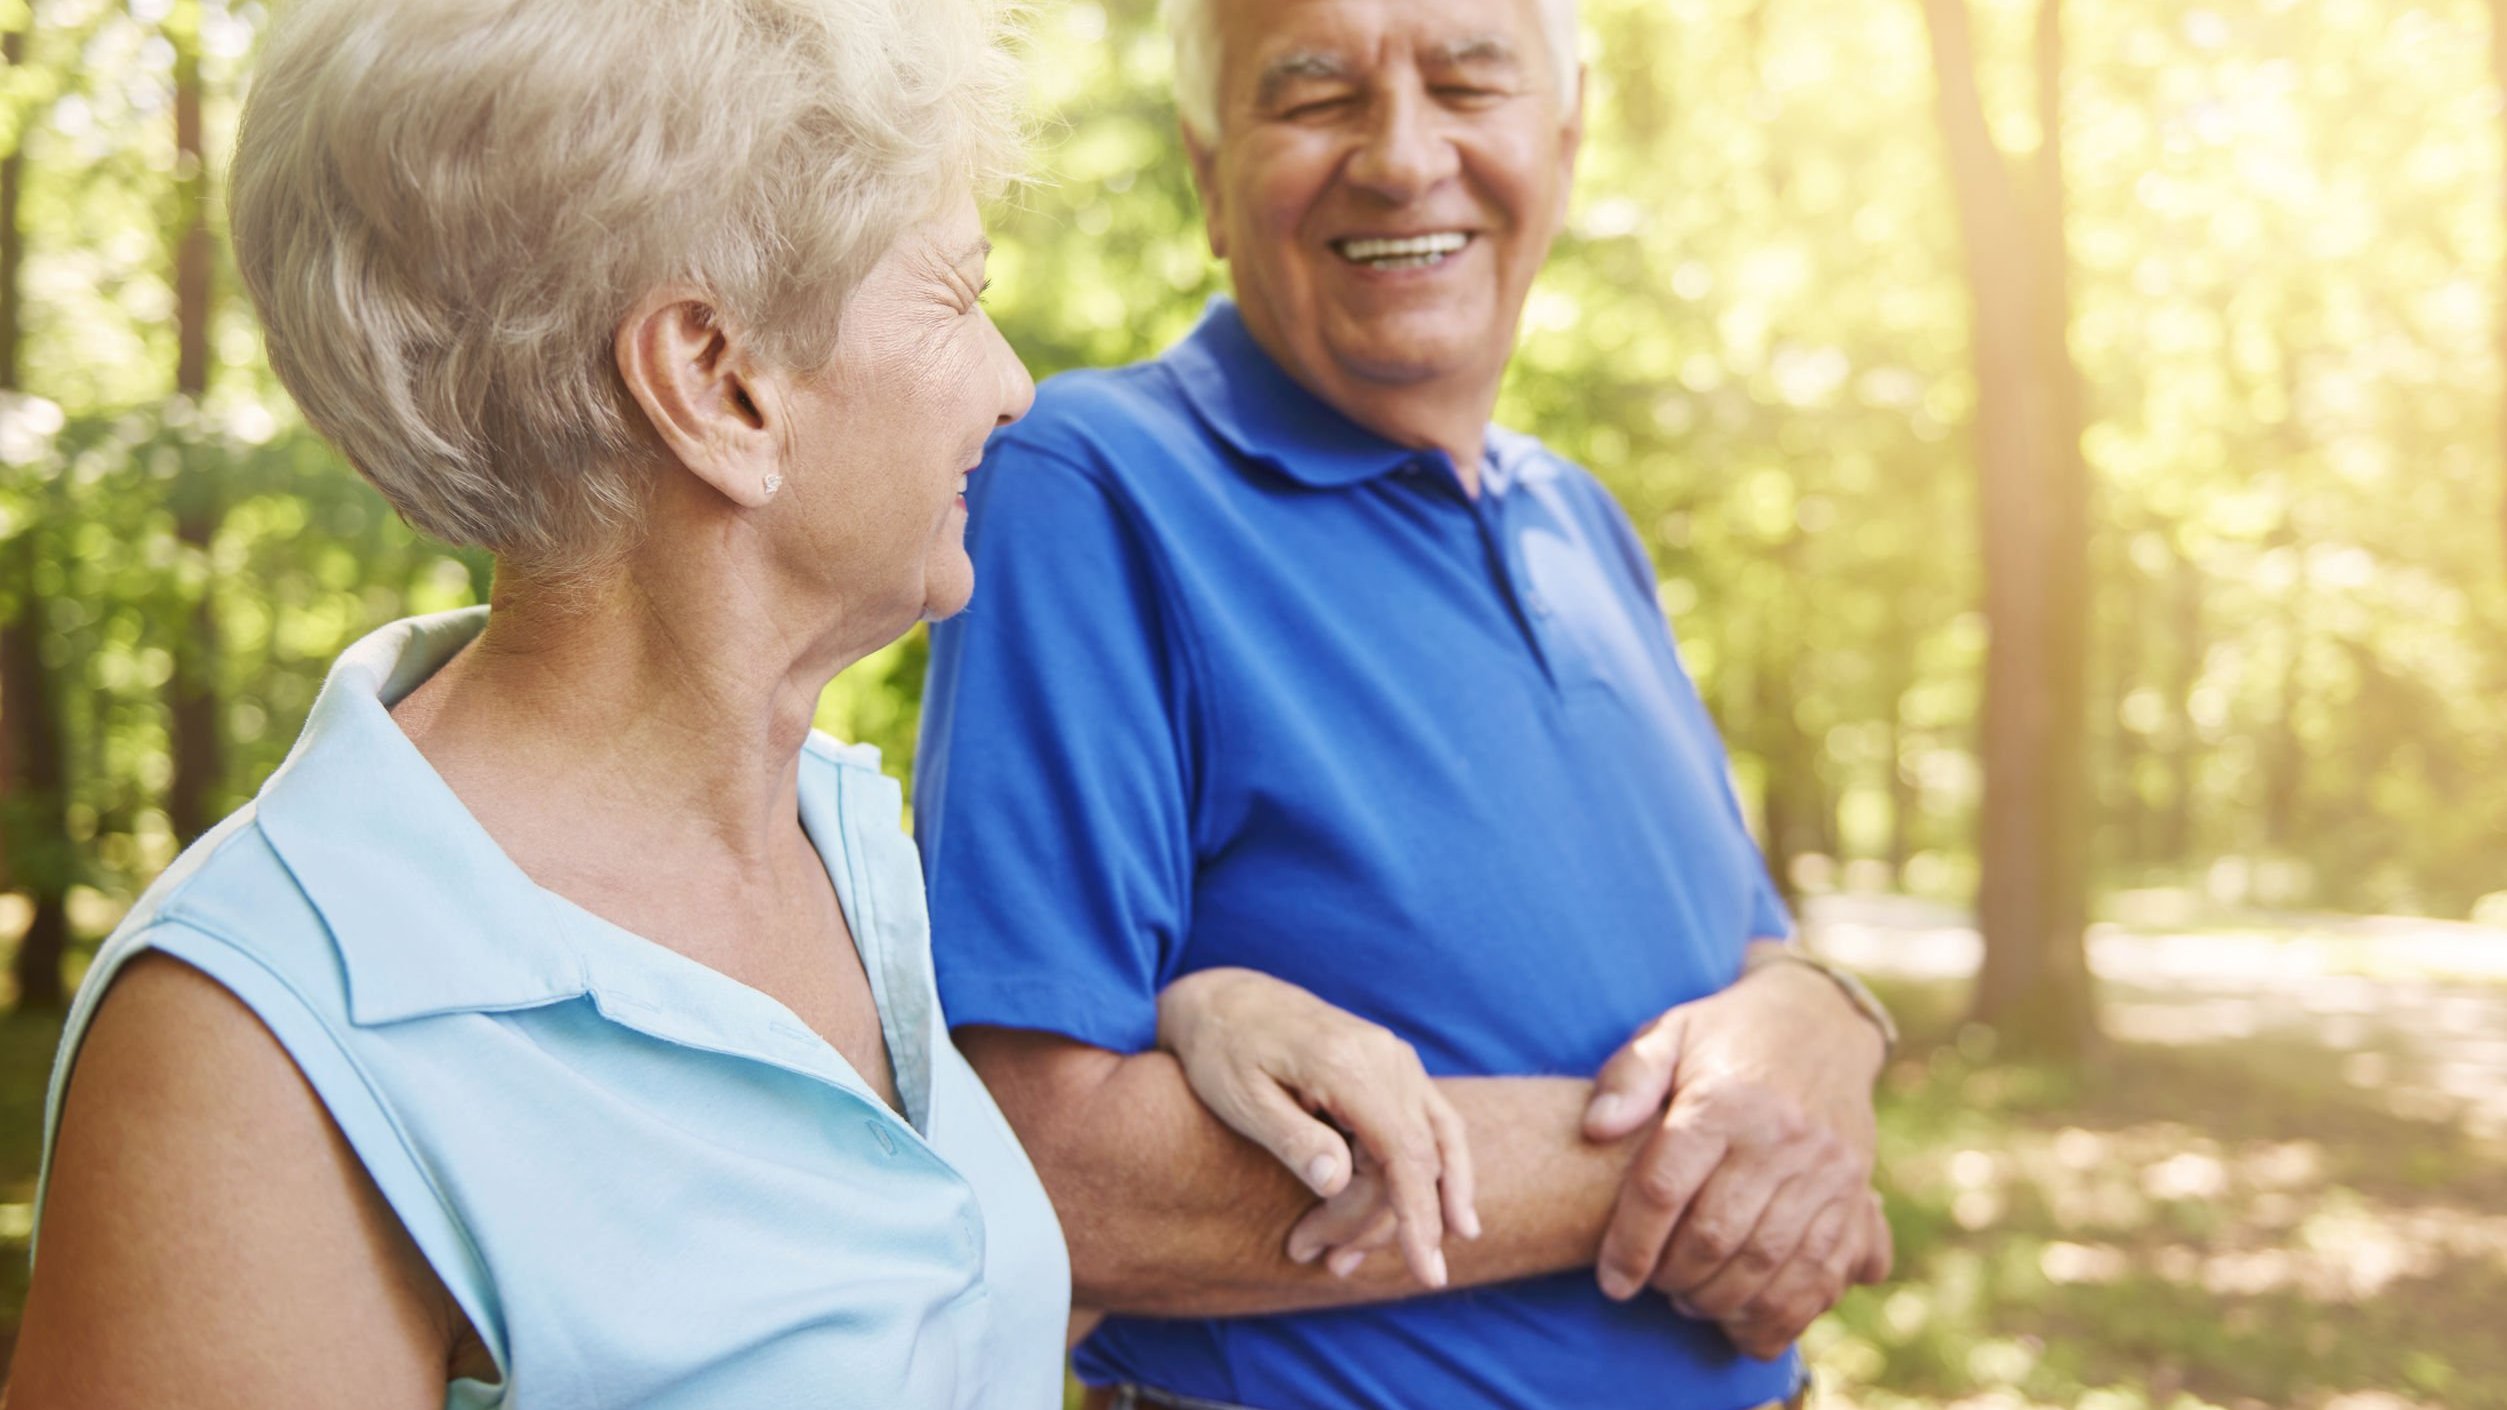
[1132, 1397]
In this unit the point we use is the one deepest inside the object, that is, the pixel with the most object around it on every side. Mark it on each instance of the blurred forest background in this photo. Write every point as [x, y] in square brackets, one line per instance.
[2078, 429]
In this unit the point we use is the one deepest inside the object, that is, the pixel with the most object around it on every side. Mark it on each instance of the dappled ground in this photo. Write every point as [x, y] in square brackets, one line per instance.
[2283, 1186]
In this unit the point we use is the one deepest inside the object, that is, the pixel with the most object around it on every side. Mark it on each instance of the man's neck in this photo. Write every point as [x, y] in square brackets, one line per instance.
[1448, 413]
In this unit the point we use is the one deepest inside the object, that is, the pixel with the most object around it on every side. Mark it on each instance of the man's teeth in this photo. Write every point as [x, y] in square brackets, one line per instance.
[1408, 252]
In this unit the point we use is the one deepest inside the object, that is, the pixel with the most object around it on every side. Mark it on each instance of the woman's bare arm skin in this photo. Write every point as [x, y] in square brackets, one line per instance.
[209, 1240]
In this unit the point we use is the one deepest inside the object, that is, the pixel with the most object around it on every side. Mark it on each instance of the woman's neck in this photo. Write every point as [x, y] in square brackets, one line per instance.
[659, 710]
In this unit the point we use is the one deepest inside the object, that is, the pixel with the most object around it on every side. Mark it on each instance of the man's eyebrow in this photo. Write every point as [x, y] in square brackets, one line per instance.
[1303, 65]
[1485, 49]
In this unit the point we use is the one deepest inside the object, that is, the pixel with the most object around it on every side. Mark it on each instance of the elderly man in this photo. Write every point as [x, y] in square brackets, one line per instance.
[1287, 660]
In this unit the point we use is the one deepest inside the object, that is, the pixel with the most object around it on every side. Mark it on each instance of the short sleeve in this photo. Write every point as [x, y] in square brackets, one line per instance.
[1053, 778]
[1769, 920]
[314, 1046]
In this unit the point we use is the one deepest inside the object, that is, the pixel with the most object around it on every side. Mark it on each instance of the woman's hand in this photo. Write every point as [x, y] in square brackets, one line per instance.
[1272, 1061]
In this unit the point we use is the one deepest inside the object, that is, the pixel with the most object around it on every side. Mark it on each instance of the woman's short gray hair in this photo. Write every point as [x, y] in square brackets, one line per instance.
[443, 208]
[1195, 31]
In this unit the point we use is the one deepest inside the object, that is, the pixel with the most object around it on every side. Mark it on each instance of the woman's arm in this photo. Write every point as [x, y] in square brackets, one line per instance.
[1293, 1073]
[209, 1239]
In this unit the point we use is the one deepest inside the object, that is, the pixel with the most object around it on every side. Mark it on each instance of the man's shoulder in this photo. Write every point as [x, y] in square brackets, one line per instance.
[1109, 422]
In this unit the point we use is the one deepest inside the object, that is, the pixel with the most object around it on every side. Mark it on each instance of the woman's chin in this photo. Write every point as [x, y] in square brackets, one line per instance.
[949, 588]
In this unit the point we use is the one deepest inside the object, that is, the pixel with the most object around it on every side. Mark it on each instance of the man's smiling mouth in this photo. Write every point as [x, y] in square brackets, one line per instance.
[1403, 252]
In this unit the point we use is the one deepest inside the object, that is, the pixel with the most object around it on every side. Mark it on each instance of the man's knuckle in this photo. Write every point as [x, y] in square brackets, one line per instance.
[1416, 1148]
[1715, 1102]
[1711, 1241]
[1824, 1244]
[1619, 1255]
[1356, 1047]
[1661, 1186]
[1786, 1120]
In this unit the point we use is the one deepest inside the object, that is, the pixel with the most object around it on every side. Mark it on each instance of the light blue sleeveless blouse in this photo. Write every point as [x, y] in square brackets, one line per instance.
[647, 1184]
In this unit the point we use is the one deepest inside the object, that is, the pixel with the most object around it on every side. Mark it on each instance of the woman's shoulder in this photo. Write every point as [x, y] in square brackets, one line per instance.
[230, 890]
[223, 938]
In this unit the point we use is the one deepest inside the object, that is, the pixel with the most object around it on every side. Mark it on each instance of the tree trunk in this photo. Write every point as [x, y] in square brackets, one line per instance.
[2127, 812]
[32, 756]
[194, 795]
[2176, 840]
[1779, 747]
[34, 832]
[2032, 901]
[1904, 799]
[2498, 67]
[2284, 751]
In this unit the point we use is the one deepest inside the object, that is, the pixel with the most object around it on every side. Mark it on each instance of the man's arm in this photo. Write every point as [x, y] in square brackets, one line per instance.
[1767, 1084]
[1171, 1214]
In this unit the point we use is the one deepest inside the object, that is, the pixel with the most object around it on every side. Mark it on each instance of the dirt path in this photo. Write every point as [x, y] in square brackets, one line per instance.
[2417, 1008]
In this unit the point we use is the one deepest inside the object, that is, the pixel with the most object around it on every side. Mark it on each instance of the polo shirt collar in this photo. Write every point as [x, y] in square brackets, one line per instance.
[1258, 409]
[429, 914]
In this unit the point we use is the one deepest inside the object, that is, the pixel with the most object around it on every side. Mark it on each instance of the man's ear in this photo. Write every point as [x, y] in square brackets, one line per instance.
[707, 401]
[1571, 140]
[1204, 159]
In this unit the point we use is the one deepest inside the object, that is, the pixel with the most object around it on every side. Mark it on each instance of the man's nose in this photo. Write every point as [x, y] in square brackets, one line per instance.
[1405, 151]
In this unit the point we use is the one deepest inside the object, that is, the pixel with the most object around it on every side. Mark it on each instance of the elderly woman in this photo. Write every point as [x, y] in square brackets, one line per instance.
[557, 1026]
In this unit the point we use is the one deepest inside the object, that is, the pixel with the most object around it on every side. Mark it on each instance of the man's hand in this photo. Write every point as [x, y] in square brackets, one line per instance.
[1751, 1202]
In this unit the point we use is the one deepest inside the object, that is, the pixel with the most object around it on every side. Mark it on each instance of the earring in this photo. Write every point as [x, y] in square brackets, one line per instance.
[774, 482]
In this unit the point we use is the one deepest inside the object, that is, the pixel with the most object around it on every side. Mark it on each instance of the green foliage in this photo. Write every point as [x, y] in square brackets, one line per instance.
[305, 558]
[2285, 229]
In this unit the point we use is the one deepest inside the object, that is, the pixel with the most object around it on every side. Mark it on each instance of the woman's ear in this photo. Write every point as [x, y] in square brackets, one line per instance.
[707, 400]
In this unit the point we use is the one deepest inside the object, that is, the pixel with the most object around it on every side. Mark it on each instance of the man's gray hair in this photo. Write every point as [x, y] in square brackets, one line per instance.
[443, 208]
[1194, 28]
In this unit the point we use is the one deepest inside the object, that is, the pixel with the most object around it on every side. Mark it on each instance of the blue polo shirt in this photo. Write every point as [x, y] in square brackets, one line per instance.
[1247, 684]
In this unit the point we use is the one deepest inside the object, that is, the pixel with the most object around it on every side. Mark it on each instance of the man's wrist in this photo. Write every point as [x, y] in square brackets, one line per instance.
[1842, 982]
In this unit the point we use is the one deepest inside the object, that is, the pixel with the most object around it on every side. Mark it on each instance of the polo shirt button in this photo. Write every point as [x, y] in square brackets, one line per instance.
[1536, 604]
[887, 1143]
